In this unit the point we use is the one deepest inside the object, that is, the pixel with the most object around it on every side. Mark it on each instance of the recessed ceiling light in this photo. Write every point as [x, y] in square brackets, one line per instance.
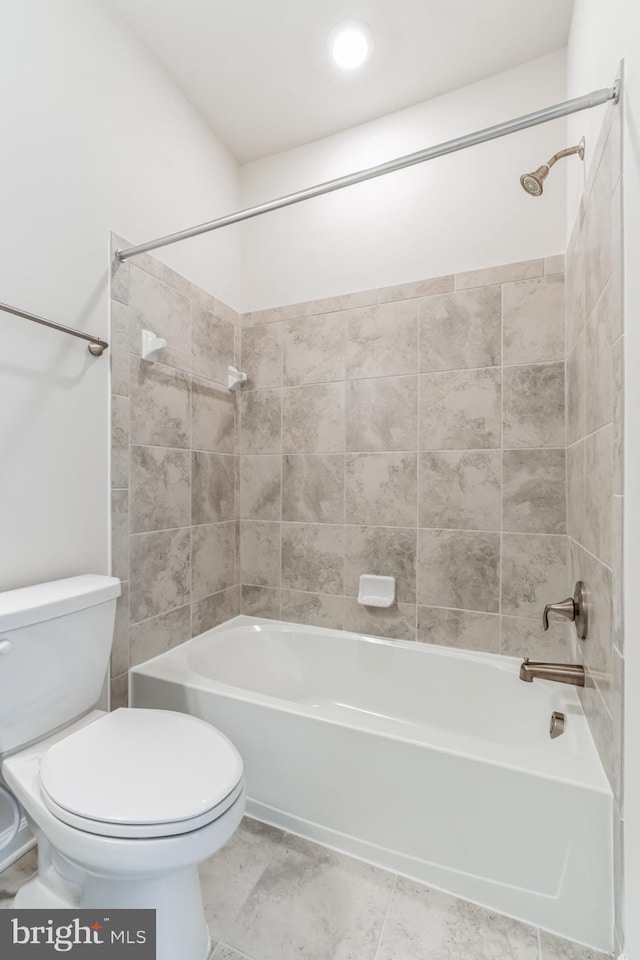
[350, 44]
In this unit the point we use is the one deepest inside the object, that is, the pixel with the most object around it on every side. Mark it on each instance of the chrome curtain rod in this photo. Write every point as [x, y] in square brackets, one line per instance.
[96, 346]
[594, 99]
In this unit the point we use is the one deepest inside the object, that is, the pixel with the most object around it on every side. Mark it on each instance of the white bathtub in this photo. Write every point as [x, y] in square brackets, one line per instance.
[431, 762]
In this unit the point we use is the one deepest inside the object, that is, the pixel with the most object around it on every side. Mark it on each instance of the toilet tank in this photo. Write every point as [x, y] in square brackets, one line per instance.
[55, 644]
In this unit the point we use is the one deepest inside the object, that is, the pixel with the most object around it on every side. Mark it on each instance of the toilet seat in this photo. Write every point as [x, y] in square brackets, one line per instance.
[141, 774]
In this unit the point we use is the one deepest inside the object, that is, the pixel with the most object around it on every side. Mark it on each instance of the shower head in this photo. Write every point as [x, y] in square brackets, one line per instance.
[533, 182]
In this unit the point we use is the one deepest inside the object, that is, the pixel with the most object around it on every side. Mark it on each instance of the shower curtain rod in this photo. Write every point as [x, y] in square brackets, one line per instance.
[594, 99]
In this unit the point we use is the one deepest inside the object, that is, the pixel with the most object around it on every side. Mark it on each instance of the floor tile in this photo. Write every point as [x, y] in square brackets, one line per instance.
[230, 875]
[314, 904]
[425, 924]
[16, 875]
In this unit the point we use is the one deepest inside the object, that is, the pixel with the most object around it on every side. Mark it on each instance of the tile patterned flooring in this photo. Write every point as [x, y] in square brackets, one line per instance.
[270, 895]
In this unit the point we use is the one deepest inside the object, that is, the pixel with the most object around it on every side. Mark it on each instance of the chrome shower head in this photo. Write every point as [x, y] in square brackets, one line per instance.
[533, 182]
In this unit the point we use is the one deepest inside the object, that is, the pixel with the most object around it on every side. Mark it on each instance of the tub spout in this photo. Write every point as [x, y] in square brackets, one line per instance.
[560, 672]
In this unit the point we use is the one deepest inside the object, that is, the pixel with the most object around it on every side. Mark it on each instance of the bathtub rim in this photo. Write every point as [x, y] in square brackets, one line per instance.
[598, 782]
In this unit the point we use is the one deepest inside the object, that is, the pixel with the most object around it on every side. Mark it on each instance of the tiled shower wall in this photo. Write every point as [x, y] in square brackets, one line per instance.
[416, 431]
[594, 457]
[173, 466]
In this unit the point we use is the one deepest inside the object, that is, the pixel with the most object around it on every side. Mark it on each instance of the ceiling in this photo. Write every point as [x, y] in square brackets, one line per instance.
[258, 70]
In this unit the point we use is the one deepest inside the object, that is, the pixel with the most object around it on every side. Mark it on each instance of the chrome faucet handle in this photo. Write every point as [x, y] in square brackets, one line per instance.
[573, 608]
[565, 608]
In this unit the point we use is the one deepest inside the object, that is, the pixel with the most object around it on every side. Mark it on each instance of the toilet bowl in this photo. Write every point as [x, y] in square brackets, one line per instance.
[124, 805]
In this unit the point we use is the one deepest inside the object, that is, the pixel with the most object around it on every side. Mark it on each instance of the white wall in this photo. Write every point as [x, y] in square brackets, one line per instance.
[95, 138]
[463, 211]
[604, 32]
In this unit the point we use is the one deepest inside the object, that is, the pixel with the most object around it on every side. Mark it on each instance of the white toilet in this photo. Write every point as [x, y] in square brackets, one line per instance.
[124, 805]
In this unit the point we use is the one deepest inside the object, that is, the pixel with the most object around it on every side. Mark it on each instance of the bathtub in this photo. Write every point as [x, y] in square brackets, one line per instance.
[430, 762]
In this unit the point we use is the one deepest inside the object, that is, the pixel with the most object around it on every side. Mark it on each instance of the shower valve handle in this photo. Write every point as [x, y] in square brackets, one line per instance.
[573, 608]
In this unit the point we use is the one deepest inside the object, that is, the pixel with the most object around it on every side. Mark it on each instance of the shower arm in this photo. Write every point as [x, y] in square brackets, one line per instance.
[594, 99]
[567, 152]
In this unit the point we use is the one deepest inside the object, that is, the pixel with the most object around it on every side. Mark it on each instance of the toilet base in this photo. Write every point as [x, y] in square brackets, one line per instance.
[181, 928]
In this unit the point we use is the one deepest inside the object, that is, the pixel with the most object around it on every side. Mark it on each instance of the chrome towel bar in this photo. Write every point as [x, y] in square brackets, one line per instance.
[96, 345]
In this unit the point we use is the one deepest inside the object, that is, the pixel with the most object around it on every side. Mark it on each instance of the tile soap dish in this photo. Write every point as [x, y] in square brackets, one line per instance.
[377, 591]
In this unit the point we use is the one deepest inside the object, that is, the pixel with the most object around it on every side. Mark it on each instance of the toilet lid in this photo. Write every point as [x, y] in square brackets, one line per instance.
[137, 772]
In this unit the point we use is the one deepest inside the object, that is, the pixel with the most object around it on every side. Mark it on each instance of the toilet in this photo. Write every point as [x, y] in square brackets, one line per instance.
[123, 805]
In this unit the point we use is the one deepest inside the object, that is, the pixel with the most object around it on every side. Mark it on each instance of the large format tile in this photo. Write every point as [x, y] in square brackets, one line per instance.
[153, 305]
[213, 547]
[382, 340]
[119, 349]
[212, 344]
[533, 317]
[575, 287]
[526, 638]
[597, 648]
[229, 876]
[534, 491]
[381, 488]
[313, 418]
[212, 611]
[160, 488]
[316, 609]
[577, 491]
[459, 489]
[159, 405]
[213, 417]
[459, 628]
[533, 406]
[160, 572]
[533, 573]
[313, 903]
[260, 488]
[212, 487]
[460, 411]
[459, 569]
[461, 330]
[599, 494]
[313, 488]
[599, 362]
[261, 355]
[382, 414]
[313, 349]
[313, 557]
[576, 390]
[382, 551]
[260, 602]
[425, 924]
[397, 621]
[261, 421]
[152, 637]
[504, 273]
[260, 553]
[120, 433]
[120, 534]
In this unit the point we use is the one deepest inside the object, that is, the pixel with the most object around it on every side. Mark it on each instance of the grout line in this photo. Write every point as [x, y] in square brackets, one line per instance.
[386, 915]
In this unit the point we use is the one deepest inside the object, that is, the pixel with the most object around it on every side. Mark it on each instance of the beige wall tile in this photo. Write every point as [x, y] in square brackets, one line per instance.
[313, 418]
[533, 406]
[260, 553]
[599, 494]
[159, 404]
[313, 488]
[261, 356]
[212, 558]
[526, 638]
[316, 609]
[153, 637]
[459, 569]
[120, 534]
[261, 422]
[313, 349]
[382, 341]
[158, 307]
[534, 491]
[382, 551]
[577, 491]
[576, 390]
[119, 349]
[261, 488]
[533, 317]
[260, 602]
[460, 411]
[459, 628]
[533, 573]
[212, 487]
[419, 288]
[313, 557]
[213, 415]
[212, 344]
[211, 611]
[381, 488]
[160, 572]
[553, 265]
[382, 414]
[160, 488]
[575, 288]
[120, 433]
[501, 274]
[599, 363]
[459, 489]
[460, 330]
[397, 622]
